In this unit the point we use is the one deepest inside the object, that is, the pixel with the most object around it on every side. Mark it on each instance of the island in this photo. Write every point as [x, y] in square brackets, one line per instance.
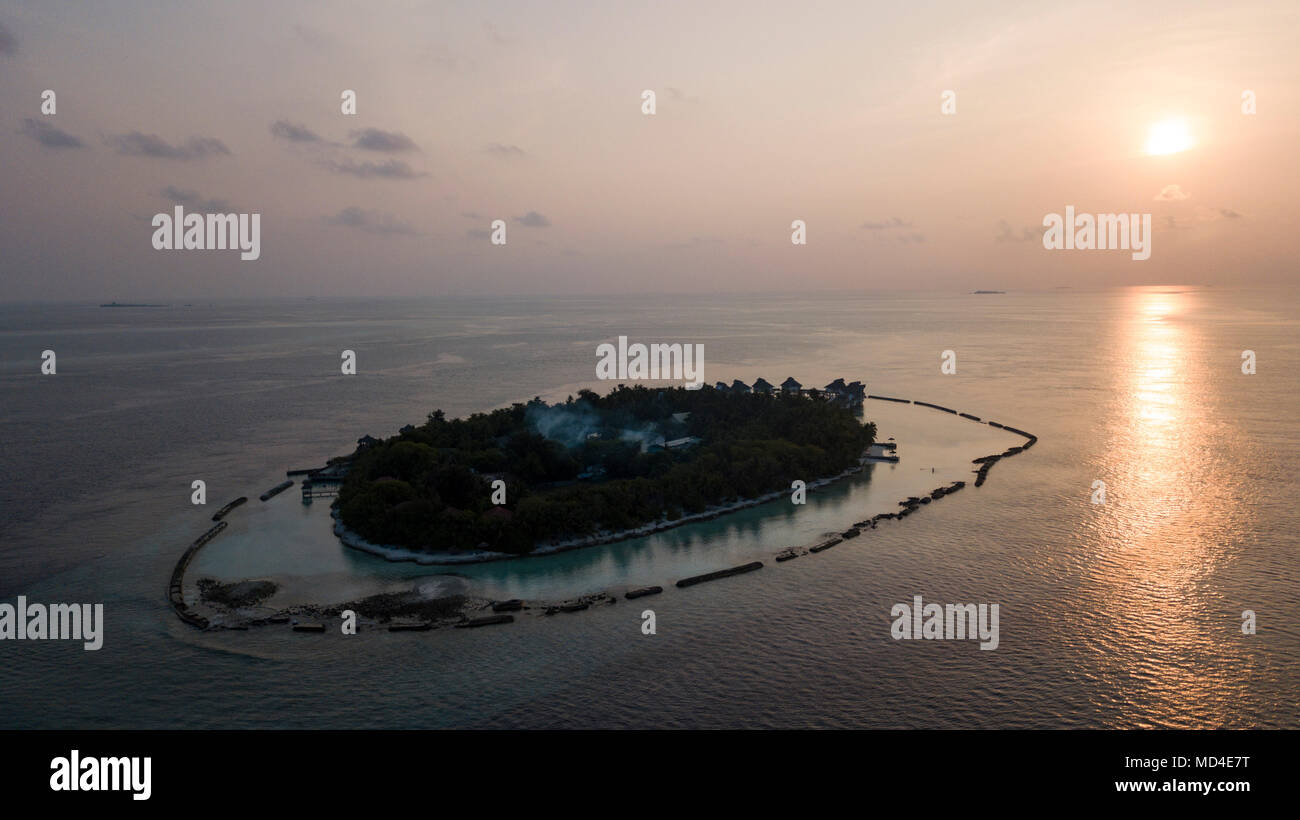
[594, 468]
[578, 473]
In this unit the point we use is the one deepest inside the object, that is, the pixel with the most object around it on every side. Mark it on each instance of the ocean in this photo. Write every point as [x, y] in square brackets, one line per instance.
[1124, 614]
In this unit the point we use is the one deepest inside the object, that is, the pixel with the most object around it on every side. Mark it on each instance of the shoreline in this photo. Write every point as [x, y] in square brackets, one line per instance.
[396, 554]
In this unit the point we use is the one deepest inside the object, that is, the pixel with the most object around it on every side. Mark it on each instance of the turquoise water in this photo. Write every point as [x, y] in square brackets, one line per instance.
[1121, 614]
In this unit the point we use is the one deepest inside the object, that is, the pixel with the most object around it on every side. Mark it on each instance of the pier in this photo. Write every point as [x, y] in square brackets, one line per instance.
[320, 487]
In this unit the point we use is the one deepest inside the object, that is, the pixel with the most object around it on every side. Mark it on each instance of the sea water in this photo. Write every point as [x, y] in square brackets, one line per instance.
[1124, 613]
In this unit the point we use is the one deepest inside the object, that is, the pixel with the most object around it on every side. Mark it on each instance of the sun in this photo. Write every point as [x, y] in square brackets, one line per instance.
[1168, 137]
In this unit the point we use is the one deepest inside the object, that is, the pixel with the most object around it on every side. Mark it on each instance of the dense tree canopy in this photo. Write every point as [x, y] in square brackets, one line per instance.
[589, 464]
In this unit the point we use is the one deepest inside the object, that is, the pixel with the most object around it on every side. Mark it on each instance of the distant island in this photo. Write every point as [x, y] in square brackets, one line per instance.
[595, 465]
[990, 291]
[129, 304]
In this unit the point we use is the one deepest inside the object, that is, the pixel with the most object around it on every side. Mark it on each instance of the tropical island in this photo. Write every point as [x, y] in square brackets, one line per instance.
[595, 464]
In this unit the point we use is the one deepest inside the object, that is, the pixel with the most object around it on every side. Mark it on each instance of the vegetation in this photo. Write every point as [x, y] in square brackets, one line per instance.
[589, 464]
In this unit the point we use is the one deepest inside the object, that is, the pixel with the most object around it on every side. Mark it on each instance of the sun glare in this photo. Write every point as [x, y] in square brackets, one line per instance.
[1168, 137]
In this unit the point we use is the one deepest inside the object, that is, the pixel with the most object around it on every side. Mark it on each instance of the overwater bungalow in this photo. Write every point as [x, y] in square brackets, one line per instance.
[856, 392]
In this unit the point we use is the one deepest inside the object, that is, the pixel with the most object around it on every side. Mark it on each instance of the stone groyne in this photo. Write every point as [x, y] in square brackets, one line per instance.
[175, 591]
[985, 462]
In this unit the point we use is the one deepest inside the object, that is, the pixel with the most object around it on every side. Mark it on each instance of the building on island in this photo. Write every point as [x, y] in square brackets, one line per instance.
[856, 393]
[851, 394]
[763, 386]
[791, 386]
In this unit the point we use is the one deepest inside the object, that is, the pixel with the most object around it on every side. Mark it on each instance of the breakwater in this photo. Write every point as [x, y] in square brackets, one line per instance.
[486, 620]
[176, 587]
[221, 513]
[985, 462]
[276, 490]
[722, 573]
[935, 406]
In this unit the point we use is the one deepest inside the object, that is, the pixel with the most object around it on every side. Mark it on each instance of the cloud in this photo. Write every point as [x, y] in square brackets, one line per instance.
[285, 130]
[678, 95]
[893, 222]
[376, 222]
[477, 233]
[372, 139]
[894, 228]
[697, 242]
[136, 144]
[447, 60]
[471, 214]
[533, 219]
[388, 169]
[194, 201]
[48, 135]
[313, 37]
[496, 149]
[1030, 233]
[1200, 216]
[1171, 193]
[8, 43]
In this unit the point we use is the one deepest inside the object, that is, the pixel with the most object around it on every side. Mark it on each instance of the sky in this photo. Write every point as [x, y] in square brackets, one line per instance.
[531, 113]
